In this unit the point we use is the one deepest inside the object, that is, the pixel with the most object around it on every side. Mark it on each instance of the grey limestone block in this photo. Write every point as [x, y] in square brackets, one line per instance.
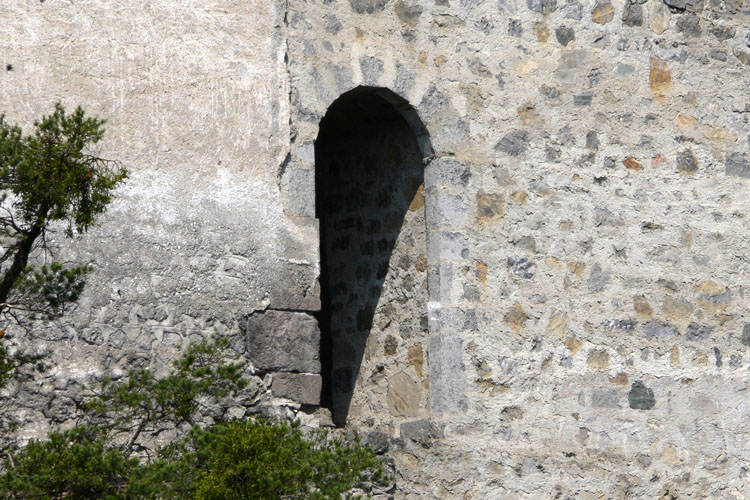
[598, 279]
[605, 398]
[514, 143]
[632, 14]
[304, 388]
[641, 397]
[367, 6]
[421, 431]
[542, 6]
[448, 171]
[695, 331]
[738, 165]
[299, 186]
[284, 341]
[745, 337]
[448, 210]
[372, 69]
[447, 377]
[659, 330]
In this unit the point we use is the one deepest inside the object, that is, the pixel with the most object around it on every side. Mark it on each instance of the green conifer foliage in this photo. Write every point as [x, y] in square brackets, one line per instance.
[47, 177]
[251, 459]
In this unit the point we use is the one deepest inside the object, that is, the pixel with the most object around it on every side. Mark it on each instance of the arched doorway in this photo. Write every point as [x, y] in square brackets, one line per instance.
[369, 182]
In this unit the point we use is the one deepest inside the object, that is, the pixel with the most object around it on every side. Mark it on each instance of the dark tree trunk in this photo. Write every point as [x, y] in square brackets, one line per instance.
[20, 260]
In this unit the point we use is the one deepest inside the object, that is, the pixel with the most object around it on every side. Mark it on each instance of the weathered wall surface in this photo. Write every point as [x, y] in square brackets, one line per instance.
[588, 236]
[195, 96]
[585, 188]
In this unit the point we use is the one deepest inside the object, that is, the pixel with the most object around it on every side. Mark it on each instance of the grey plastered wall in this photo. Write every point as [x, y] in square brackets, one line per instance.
[195, 95]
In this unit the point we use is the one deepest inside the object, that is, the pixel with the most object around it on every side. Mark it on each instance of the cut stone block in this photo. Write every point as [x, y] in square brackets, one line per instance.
[303, 388]
[404, 395]
[284, 341]
[421, 431]
[447, 378]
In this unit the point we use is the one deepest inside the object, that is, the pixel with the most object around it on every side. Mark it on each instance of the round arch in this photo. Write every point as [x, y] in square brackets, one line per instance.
[370, 156]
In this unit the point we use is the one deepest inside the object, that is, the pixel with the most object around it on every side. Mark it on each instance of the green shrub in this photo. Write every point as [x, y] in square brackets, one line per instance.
[47, 178]
[74, 464]
[142, 403]
[252, 459]
[257, 460]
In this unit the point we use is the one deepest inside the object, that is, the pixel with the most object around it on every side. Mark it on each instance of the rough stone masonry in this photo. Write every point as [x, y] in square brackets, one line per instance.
[504, 240]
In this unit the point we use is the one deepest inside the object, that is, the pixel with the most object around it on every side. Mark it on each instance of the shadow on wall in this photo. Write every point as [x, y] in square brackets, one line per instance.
[368, 170]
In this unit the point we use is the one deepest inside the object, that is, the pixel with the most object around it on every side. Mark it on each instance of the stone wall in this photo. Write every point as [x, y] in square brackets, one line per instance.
[585, 202]
[585, 169]
[196, 241]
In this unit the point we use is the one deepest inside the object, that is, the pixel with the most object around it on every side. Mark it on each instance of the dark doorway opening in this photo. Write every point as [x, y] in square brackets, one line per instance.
[370, 202]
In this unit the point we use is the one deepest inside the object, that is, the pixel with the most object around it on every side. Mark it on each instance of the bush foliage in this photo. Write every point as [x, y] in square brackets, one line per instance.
[251, 459]
[262, 461]
[47, 177]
